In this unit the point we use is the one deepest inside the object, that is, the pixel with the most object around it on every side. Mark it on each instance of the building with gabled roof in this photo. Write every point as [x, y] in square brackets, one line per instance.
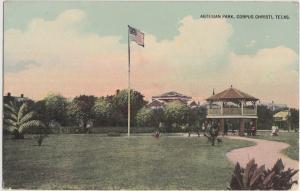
[172, 96]
[193, 104]
[160, 100]
[7, 98]
[156, 104]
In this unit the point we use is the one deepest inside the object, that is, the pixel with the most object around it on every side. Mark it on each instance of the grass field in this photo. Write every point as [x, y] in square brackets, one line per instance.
[95, 162]
[291, 138]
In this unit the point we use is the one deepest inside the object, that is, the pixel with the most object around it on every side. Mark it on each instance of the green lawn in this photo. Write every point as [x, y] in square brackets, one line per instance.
[291, 138]
[96, 162]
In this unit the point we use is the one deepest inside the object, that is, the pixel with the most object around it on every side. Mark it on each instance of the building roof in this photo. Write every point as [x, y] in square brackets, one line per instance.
[172, 94]
[193, 103]
[155, 103]
[281, 115]
[231, 94]
[9, 97]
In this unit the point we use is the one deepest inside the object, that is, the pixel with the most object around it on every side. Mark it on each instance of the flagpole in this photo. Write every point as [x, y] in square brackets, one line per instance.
[128, 84]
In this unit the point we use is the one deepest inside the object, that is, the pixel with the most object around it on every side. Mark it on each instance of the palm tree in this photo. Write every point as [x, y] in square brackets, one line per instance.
[17, 119]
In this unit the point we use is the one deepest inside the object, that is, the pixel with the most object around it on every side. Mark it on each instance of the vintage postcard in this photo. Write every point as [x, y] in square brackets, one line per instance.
[150, 95]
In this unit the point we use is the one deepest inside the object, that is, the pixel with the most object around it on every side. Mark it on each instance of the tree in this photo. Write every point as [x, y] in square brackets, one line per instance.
[265, 117]
[103, 111]
[147, 117]
[294, 118]
[55, 108]
[80, 110]
[39, 108]
[120, 103]
[18, 118]
[158, 118]
[197, 117]
[118, 118]
[144, 117]
[176, 113]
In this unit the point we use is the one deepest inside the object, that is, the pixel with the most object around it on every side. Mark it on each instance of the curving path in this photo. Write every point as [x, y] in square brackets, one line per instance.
[264, 152]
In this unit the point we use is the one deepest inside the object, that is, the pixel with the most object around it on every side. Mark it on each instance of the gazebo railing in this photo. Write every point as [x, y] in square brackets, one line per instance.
[214, 111]
[249, 111]
[231, 111]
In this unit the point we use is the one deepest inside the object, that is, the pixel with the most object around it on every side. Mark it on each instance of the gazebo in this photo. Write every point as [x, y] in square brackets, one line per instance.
[232, 104]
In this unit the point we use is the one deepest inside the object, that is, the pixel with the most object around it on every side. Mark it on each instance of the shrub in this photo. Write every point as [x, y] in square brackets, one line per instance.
[254, 178]
[40, 138]
[19, 118]
[212, 134]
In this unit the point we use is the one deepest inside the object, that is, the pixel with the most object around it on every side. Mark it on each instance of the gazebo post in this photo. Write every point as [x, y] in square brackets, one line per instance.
[222, 126]
[221, 107]
[242, 103]
[242, 127]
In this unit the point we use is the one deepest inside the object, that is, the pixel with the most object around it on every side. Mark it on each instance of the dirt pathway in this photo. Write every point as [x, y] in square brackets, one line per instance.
[264, 152]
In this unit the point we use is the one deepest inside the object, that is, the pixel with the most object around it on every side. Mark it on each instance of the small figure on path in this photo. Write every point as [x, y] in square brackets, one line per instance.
[253, 130]
[156, 135]
[275, 130]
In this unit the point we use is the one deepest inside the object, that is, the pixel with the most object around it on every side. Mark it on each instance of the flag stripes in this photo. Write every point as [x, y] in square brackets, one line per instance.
[136, 36]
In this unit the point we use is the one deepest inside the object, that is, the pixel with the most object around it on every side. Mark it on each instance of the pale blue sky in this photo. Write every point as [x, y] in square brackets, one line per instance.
[161, 19]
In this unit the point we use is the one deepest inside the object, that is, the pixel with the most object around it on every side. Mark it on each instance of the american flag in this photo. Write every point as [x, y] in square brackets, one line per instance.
[136, 35]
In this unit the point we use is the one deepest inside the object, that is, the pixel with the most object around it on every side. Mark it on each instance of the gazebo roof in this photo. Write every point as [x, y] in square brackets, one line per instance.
[231, 94]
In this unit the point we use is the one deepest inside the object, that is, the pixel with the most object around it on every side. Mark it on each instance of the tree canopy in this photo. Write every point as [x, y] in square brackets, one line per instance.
[80, 110]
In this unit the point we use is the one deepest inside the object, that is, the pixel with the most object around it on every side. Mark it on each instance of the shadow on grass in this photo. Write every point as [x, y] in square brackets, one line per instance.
[41, 145]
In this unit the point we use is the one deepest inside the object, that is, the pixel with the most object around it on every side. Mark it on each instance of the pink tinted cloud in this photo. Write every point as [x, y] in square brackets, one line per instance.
[72, 63]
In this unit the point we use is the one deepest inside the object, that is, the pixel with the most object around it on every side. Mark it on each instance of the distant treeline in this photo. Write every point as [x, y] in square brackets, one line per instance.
[85, 112]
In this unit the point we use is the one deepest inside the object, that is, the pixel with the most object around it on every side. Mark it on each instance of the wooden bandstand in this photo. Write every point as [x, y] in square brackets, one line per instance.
[232, 104]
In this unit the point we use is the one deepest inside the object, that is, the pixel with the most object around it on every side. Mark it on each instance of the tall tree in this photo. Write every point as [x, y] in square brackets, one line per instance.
[196, 119]
[197, 115]
[144, 117]
[120, 103]
[294, 118]
[80, 110]
[147, 117]
[103, 111]
[176, 113]
[40, 109]
[55, 108]
[158, 117]
[265, 117]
